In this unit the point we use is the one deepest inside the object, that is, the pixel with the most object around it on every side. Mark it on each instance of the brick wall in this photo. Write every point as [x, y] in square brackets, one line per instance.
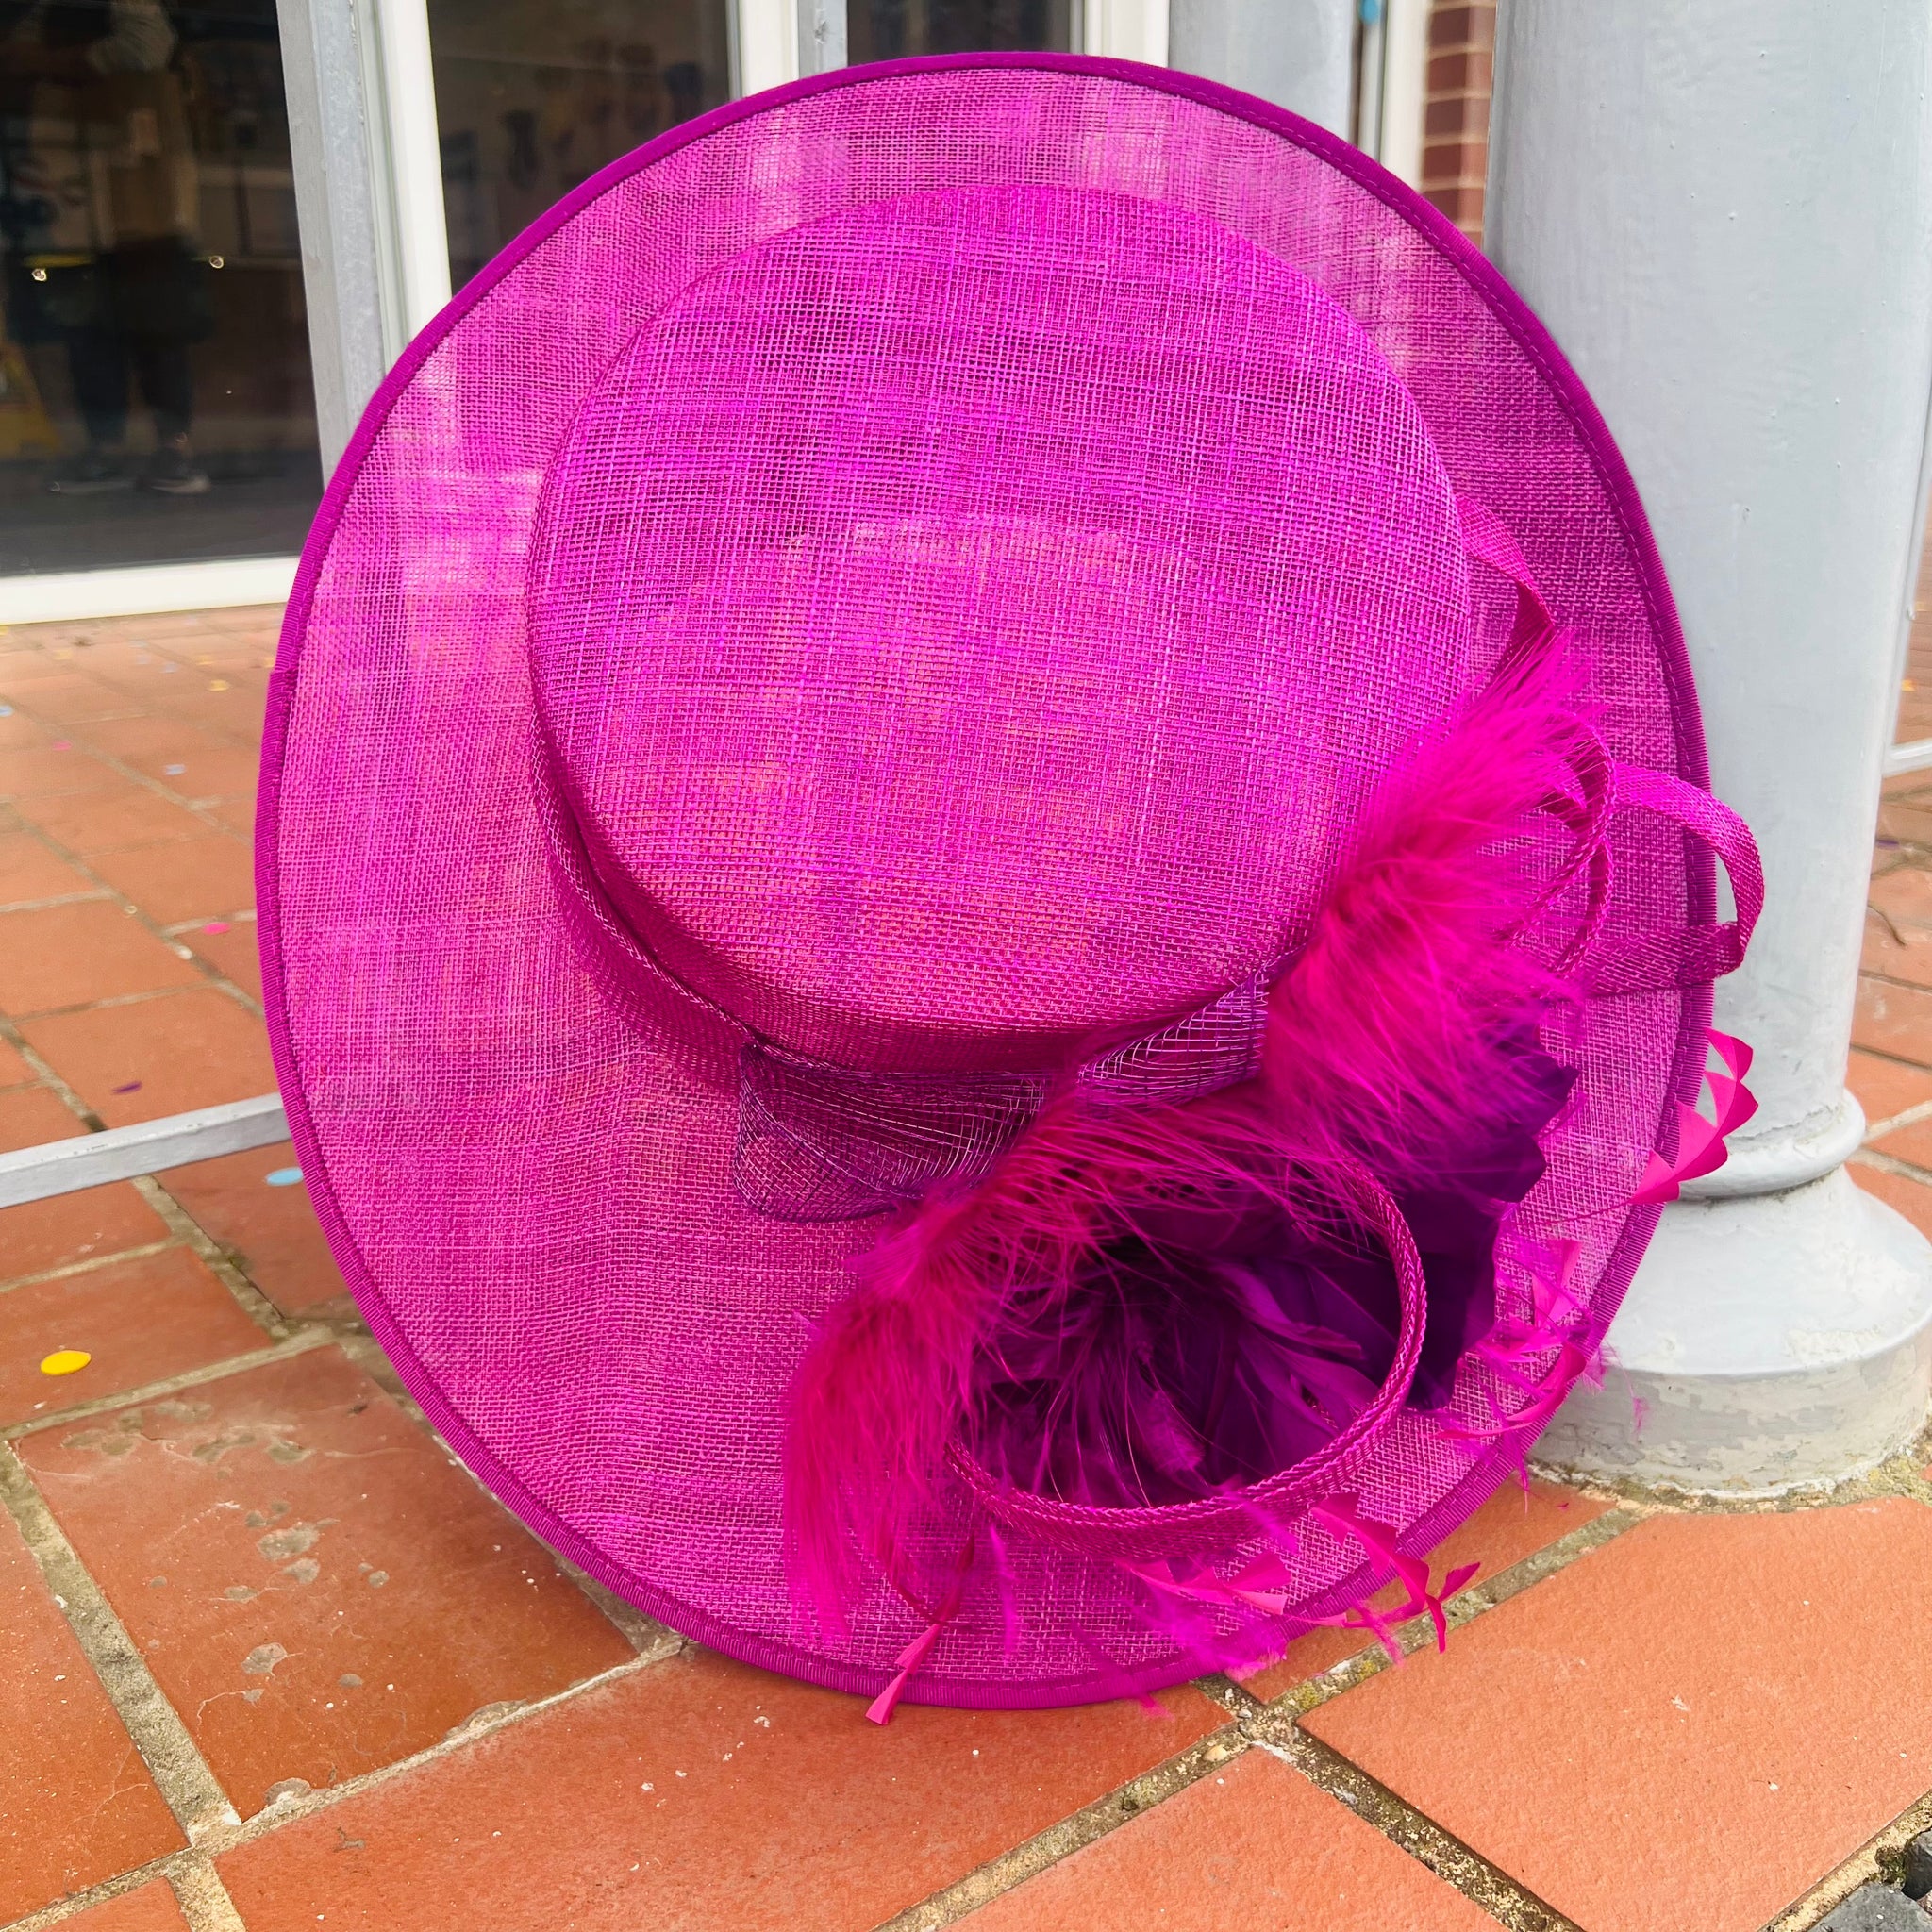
[1456, 109]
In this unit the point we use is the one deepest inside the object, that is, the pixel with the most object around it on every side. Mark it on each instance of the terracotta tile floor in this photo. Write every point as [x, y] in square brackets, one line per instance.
[269, 1659]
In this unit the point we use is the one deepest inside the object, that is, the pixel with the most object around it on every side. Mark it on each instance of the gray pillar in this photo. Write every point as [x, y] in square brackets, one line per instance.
[1299, 53]
[1723, 211]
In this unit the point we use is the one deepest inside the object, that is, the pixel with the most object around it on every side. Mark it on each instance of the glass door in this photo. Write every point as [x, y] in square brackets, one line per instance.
[155, 392]
[533, 99]
[888, 30]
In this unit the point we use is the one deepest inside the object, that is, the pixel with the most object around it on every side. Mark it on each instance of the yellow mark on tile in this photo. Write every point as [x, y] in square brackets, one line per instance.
[218, 684]
[64, 1361]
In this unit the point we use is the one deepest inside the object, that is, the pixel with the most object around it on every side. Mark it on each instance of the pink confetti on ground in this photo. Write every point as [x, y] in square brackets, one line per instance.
[216, 926]
[61, 744]
[130, 1087]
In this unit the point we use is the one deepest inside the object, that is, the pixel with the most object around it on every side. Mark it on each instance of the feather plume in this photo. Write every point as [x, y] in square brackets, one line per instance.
[1150, 1304]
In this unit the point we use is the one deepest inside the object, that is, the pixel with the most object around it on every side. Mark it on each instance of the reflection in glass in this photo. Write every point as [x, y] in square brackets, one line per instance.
[531, 100]
[886, 29]
[154, 357]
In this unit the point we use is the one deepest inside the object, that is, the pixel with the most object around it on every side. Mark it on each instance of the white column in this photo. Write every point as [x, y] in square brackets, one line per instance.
[368, 192]
[1299, 53]
[1723, 211]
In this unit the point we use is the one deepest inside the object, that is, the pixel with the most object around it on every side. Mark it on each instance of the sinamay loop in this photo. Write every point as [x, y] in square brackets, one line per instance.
[928, 571]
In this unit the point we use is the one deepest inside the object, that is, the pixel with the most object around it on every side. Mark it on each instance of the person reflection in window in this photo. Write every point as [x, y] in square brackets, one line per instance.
[134, 295]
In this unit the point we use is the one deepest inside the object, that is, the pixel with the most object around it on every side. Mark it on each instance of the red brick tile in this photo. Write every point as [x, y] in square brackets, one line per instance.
[235, 712]
[158, 625]
[271, 1231]
[1904, 954]
[1462, 26]
[1508, 1527]
[14, 1069]
[34, 1115]
[208, 877]
[148, 1907]
[1911, 1198]
[1470, 72]
[1457, 114]
[108, 820]
[1884, 1088]
[67, 698]
[77, 1803]
[1907, 820]
[1745, 1698]
[1904, 894]
[1895, 1021]
[236, 954]
[1912, 1143]
[188, 1049]
[18, 732]
[1455, 160]
[332, 1540]
[150, 744]
[76, 1227]
[699, 1792]
[229, 772]
[28, 871]
[1253, 1845]
[142, 1321]
[48, 774]
[69, 955]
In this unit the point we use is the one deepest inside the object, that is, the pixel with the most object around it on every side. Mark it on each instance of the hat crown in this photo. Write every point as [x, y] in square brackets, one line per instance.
[967, 626]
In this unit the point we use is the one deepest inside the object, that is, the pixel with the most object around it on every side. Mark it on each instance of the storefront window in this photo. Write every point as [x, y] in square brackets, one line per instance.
[531, 100]
[155, 397]
[887, 29]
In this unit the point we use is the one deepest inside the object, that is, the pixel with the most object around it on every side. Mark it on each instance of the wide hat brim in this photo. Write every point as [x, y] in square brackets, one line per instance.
[530, 1194]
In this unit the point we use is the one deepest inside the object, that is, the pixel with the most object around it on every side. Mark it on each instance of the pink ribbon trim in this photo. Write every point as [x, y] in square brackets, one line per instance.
[915, 1654]
[1342, 1516]
[880, 1710]
[1701, 1141]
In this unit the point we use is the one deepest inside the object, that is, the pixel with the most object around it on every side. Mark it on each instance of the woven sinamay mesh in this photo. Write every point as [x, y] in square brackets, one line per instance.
[960, 620]
[1128, 679]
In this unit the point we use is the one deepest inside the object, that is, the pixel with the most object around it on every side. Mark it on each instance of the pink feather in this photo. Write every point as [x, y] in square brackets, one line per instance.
[1388, 1046]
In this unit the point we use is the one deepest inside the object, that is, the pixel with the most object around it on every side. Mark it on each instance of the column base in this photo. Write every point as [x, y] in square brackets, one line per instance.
[1768, 1342]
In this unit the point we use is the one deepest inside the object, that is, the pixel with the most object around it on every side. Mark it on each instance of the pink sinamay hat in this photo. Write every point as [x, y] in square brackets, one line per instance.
[987, 886]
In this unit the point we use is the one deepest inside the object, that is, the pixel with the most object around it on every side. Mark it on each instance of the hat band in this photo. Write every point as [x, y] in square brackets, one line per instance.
[818, 1142]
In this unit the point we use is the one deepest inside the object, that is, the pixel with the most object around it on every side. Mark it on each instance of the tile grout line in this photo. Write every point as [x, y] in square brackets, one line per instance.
[1871, 1861]
[1475, 1600]
[1881, 1162]
[1876, 1130]
[60, 899]
[301, 1342]
[644, 1634]
[216, 1839]
[214, 1256]
[187, 1785]
[1890, 979]
[93, 1262]
[1061, 1840]
[202, 1898]
[153, 926]
[1458, 1865]
[1890, 1059]
[1273, 1727]
[52, 1081]
[180, 1224]
[120, 770]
